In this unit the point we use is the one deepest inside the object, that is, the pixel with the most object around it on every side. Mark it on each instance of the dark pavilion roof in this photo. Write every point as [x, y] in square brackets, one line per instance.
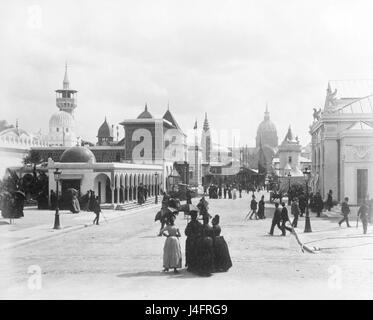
[145, 114]
[77, 154]
[170, 118]
[104, 131]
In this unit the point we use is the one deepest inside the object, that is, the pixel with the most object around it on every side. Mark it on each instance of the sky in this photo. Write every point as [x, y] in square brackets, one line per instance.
[226, 58]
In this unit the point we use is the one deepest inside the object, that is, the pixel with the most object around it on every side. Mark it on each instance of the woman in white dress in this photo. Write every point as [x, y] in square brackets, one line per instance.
[171, 250]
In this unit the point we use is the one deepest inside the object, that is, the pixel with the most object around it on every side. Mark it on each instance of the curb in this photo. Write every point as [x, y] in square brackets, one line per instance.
[72, 228]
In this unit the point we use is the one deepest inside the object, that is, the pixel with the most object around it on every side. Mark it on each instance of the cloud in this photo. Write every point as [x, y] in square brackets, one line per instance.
[226, 58]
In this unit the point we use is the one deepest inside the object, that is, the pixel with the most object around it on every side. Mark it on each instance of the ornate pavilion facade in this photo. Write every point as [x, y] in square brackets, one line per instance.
[342, 142]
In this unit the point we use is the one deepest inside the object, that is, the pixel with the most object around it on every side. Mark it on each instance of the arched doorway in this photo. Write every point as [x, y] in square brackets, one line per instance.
[102, 188]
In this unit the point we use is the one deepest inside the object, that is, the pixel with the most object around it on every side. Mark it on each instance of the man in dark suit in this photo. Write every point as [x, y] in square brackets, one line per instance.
[276, 219]
[284, 219]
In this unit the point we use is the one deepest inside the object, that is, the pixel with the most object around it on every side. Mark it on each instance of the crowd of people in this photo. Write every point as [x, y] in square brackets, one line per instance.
[227, 191]
[206, 250]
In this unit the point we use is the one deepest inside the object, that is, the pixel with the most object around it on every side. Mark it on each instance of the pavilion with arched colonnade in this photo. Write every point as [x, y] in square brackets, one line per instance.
[113, 182]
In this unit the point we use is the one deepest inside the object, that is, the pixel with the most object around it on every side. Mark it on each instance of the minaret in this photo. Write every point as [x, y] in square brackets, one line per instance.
[66, 98]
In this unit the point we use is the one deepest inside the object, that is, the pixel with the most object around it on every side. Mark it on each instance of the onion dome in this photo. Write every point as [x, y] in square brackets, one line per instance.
[61, 119]
[145, 114]
[77, 154]
[104, 131]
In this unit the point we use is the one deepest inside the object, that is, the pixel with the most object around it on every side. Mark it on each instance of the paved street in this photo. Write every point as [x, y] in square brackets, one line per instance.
[122, 259]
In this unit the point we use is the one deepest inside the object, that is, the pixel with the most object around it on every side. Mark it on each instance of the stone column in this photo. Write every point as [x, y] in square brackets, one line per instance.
[118, 195]
[112, 195]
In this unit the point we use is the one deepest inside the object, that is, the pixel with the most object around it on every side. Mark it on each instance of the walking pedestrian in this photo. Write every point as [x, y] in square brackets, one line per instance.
[302, 204]
[363, 215]
[188, 196]
[225, 192]
[96, 210]
[253, 208]
[345, 212]
[284, 219]
[295, 212]
[276, 220]
[329, 201]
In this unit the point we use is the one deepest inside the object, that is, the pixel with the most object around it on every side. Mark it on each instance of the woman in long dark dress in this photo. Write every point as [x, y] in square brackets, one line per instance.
[205, 252]
[222, 258]
[261, 209]
[193, 232]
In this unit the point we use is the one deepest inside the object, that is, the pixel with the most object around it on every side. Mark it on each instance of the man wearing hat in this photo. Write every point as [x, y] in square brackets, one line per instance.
[276, 218]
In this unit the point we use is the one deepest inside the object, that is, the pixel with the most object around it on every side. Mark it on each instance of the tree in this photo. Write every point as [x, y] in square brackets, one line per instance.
[11, 196]
[33, 157]
[4, 125]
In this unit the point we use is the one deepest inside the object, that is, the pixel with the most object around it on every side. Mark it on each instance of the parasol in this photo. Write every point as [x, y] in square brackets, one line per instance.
[19, 192]
[73, 191]
[172, 210]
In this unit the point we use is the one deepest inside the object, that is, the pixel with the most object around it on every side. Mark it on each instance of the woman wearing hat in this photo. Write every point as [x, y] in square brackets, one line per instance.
[205, 251]
[222, 258]
[171, 250]
[193, 232]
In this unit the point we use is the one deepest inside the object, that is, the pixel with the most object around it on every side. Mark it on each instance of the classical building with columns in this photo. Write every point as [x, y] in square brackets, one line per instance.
[342, 141]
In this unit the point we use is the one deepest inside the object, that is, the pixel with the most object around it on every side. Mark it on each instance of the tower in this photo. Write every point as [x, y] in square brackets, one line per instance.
[266, 132]
[206, 141]
[66, 97]
[62, 123]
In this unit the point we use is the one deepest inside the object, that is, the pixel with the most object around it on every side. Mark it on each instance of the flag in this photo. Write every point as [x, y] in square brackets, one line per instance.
[195, 125]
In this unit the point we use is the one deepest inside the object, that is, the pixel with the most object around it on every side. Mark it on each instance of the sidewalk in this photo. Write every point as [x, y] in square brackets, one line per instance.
[38, 224]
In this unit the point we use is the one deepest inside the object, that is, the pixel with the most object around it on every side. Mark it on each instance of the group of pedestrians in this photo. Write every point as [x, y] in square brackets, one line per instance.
[256, 209]
[227, 191]
[280, 218]
[206, 251]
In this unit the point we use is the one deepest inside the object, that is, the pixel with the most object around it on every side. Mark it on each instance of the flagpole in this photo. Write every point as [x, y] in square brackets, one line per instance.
[196, 152]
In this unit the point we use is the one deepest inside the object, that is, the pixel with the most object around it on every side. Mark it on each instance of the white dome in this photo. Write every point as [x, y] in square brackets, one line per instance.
[61, 119]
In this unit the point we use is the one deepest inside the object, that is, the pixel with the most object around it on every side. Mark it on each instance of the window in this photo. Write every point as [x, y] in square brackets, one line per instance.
[290, 159]
[57, 129]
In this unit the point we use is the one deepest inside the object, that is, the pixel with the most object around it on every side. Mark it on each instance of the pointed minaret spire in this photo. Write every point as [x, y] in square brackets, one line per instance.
[266, 113]
[17, 127]
[206, 126]
[66, 79]
[146, 106]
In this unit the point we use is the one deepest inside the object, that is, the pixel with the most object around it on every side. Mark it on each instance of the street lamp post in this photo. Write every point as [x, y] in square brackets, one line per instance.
[307, 226]
[57, 176]
[156, 187]
[289, 201]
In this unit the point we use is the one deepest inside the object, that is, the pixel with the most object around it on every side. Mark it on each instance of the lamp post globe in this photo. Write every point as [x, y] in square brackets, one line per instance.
[57, 176]
[307, 226]
[289, 189]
